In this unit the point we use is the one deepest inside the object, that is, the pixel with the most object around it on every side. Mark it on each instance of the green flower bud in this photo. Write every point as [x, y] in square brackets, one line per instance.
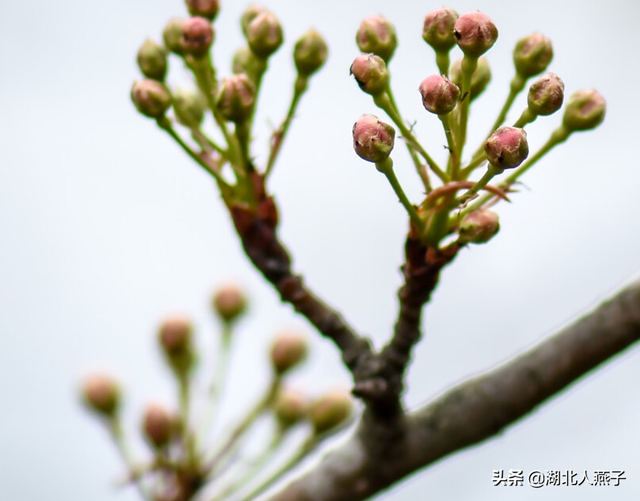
[203, 8]
[172, 35]
[546, 95]
[438, 29]
[439, 94]
[507, 147]
[101, 394]
[151, 98]
[158, 425]
[377, 35]
[175, 337]
[330, 410]
[290, 407]
[229, 302]
[585, 110]
[532, 55]
[197, 36]
[475, 33]
[372, 139]
[310, 53]
[480, 79]
[189, 107]
[287, 351]
[152, 60]
[245, 61]
[264, 34]
[249, 15]
[370, 71]
[479, 226]
[236, 98]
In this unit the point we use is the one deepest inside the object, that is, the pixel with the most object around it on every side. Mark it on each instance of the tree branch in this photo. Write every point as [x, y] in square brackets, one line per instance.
[373, 459]
[256, 227]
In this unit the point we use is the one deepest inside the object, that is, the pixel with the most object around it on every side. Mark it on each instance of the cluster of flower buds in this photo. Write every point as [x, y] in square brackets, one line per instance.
[448, 95]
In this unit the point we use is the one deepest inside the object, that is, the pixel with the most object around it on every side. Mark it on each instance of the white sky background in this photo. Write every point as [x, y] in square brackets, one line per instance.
[107, 226]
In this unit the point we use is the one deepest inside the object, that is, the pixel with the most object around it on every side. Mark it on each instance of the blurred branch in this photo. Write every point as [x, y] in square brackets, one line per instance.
[376, 457]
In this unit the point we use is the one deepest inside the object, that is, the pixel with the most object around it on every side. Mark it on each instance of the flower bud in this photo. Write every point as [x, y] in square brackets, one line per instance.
[151, 98]
[152, 60]
[439, 94]
[236, 98]
[172, 35]
[585, 110]
[249, 15]
[158, 425]
[377, 35]
[245, 61]
[480, 79]
[175, 335]
[438, 29]
[229, 302]
[101, 394]
[264, 34]
[189, 107]
[507, 147]
[475, 33]
[197, 36]
[310, 53]
[479, 226]
[372, 139]
[370, 71]
[203, 8]
[546, 94]
[287, 351]
[290, 407]
[532, 55]
[330, 410]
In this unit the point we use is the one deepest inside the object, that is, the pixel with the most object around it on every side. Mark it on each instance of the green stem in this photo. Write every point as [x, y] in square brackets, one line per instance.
[469, 65]
[480, 184]
[217, 383]
[444, 62]
[205, 142]
[384, 102]
[306, 447]
[454, 162]
[184, 396]
[526, 117]
[386, 167]
[299, 88]
[260, 407]
[120, 440]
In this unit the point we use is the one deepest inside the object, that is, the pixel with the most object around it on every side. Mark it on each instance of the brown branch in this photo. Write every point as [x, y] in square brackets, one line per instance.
[474, 411]
[256, 227]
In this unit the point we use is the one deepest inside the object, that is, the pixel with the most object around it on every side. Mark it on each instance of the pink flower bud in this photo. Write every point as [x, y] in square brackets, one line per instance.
[175, 337]
[229, 302]
[479, 226]
[585, 110]
[372, 139]
[507, 147]
[330, 410]
[264, 34]
[439, 94]
[172, 35]
[152, 60]
[151, 98]
[546, 94]
[377, 35]
[480, 79]
[287, 351]
[197, 36]
[101, 394]
[532, 55]
[370, 71]
[310, 53]
[250, 13]
[438, 29]
[203, 8]
[158, 425]
[475, 33]
[236, 98]
[290, 407]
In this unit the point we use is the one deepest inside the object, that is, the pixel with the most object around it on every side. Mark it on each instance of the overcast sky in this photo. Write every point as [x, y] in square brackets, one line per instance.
[106, 227]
